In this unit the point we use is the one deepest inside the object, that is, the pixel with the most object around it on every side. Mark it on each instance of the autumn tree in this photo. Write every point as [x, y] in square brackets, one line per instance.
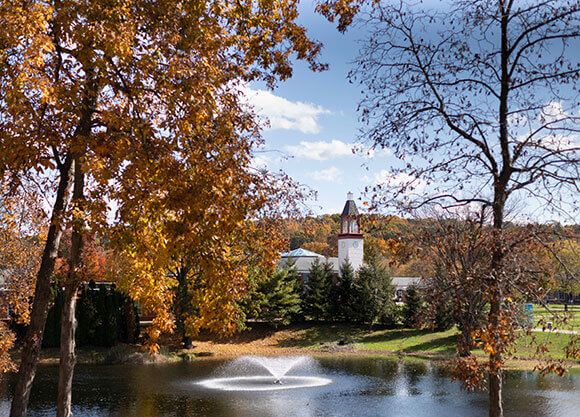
[566, 257]
[479, 98]
[22, 229]
[461, 259]
[120, 101]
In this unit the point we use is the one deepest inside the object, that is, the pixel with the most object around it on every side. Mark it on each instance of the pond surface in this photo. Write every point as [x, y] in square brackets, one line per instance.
[360, 387]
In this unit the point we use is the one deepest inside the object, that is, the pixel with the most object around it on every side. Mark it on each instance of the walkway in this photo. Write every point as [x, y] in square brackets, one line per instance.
[556, 331]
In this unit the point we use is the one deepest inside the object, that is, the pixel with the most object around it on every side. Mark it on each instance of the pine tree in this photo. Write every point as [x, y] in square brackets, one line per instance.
[83, 316]
[51, 336]
[343, 294]
[281, 300]
[317, 290]
[374, 293]
[413, 306]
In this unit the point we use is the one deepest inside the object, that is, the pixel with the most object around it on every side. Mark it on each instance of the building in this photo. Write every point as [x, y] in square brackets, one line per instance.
[350, 246]
[302, 260]
[402, 283]
[350, 238]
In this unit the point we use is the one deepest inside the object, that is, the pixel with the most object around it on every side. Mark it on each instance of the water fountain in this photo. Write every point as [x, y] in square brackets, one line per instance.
[260, 373]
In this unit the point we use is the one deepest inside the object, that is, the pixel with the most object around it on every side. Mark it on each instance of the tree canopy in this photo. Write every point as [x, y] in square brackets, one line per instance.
[138, 104]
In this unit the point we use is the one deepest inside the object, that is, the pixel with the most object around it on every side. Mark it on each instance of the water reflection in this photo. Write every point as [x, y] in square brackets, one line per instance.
[375, 386]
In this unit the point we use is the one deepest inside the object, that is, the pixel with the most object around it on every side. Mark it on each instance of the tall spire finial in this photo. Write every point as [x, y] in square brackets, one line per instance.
[349, 196]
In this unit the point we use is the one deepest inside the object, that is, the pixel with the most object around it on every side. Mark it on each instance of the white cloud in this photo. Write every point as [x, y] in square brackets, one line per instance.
[320, 150]
[399, 180]
[332, 174]
[283, 113]
[517, 119]
[553, 112]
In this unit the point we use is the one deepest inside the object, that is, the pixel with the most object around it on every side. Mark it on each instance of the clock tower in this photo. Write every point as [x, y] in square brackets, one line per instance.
[350, 239]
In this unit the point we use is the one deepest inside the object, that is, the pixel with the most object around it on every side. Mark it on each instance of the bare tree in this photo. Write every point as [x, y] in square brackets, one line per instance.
[480, 98]
[460, 259]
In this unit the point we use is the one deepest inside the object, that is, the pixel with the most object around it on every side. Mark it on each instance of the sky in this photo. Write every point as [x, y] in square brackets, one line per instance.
[314, 128]
[314, 123]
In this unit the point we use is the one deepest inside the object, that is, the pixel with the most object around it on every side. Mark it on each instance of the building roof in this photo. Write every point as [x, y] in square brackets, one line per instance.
[303, 263]
[301, 253]
[404, 282]
[349, 209]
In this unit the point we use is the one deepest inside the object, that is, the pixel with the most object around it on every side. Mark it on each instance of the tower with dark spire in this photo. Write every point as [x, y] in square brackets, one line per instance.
[350, 239]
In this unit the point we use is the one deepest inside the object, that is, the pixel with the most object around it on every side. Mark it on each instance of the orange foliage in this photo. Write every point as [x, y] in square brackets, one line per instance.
[97, 262]
[145, 97]
[321, 248]
[22, 225]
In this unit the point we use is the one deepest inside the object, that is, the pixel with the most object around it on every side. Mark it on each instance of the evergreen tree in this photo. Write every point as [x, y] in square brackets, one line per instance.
[413, 306]
[51, 336]
[84, 319]
[106, 331]
[444, 318]
[374, 293]
[249, 306]
[317, 291]
[280, 300]
[343, 295]
[104, 317]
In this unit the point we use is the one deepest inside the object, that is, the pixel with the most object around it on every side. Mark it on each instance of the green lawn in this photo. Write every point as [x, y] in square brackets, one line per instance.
[407, 341]
[362, 338]
[573, 315]
[556, 343]
[410, 341]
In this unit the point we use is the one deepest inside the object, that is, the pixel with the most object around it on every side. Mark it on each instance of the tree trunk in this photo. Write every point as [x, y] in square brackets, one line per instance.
[67, 351]
[495, 393]
[500, 196]
[68, 320]
[465, 343]
[182, 304]
[495, 364]
[33, 337]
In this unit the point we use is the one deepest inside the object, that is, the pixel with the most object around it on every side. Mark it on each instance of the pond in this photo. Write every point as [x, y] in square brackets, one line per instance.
[369, 386]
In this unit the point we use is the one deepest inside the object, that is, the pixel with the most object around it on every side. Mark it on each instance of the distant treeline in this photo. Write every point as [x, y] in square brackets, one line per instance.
[390, 238]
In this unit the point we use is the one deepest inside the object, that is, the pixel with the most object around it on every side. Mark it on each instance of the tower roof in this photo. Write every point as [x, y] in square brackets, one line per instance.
[350, 207]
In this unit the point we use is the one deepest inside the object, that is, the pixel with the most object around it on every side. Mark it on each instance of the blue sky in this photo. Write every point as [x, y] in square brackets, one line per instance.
[314, 122]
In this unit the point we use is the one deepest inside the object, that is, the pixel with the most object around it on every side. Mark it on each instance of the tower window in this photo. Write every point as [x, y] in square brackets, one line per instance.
[353, 227]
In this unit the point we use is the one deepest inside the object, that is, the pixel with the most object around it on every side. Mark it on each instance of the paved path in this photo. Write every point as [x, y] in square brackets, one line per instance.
[556, 331]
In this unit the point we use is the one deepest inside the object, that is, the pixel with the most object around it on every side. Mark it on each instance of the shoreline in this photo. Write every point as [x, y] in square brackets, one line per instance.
[316, 339]
[135, 355]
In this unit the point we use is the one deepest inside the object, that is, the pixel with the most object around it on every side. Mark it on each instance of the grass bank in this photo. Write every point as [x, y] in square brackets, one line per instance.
[352, 339]
[316, 339]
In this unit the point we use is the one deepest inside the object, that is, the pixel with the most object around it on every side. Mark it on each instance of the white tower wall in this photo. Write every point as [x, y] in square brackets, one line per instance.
[350, 248]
